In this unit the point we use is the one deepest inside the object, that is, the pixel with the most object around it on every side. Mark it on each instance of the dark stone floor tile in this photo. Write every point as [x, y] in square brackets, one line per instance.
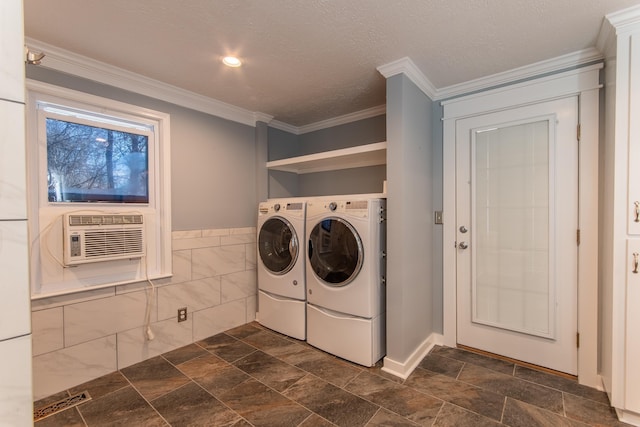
[560, 383]
[468, 396]
[262, 406]
[270, 342]
[243, 331]
[442, 365]
[330, 369]
[520, 414]
[271, 371]
[67, 418]
[590, 412]
[298, 353]
[507, 385]
[331, 402]
[405, 401]
[454, 416]
[154, 377]
[124, 407]
[213, 374]
[226, 347]
[192, 406]
[384, 418]
[184, 354]
[315, 420]
[474, 358]
[102, 386]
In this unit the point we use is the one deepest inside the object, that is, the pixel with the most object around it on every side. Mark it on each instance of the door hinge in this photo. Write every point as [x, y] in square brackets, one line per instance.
[578, 236]
[578, 339]
[578, 131]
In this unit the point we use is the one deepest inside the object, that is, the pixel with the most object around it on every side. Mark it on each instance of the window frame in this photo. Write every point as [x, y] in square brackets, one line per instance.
[44, 216]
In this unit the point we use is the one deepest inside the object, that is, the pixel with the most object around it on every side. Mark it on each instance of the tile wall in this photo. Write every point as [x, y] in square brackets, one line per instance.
[85, 335]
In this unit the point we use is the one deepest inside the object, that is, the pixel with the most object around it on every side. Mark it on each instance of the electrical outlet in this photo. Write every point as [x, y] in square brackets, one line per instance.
[182, 314]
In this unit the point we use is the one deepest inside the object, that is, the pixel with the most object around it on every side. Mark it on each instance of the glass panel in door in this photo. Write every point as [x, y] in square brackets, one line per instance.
[511, 286]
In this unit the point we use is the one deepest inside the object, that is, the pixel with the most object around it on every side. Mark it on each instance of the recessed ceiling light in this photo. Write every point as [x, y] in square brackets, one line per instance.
[231, 61]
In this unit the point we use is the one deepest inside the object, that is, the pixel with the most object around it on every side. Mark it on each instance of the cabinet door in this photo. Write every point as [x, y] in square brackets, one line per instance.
[633, 216]
[12, 161]
[632, 338]
[16, 396]
[11, 50]
[14, 285]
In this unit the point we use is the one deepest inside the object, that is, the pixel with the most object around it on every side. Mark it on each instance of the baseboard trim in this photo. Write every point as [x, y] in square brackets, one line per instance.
[405, 368]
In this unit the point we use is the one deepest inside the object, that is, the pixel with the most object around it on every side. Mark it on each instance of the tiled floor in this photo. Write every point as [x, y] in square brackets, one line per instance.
[253, 376]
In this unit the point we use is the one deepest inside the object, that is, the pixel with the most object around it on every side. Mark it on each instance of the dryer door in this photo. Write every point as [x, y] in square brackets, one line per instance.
[335, 251]
[278, 245]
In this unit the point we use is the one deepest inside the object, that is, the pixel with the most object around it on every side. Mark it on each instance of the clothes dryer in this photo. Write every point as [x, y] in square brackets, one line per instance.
[281, 266]
[346, 292]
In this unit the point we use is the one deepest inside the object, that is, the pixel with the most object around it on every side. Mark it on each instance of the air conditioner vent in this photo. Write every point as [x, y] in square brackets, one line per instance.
[93, 238]
[79, 220]
[113, 243]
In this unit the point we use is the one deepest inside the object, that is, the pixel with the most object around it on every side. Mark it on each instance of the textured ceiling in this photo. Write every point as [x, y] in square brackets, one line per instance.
[311, 60]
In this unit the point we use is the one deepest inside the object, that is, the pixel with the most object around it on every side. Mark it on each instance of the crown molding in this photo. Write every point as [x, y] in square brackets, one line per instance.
[408, 68]
[81, 66]
[560, 63]
[335, 121]
[623, 19]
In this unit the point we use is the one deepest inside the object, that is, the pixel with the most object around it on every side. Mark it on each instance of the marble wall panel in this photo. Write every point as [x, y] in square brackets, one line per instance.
[47, 330]
[218, 319]
[92, 319]
[62, 369]
[134, 347]
[194, 295]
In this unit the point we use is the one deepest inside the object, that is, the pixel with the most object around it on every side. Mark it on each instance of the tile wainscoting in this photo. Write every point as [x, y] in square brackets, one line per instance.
[82, 336]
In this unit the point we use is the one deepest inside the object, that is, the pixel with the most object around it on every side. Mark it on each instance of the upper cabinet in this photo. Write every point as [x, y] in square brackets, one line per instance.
[346, 158]
[620, 254]
[11, 51]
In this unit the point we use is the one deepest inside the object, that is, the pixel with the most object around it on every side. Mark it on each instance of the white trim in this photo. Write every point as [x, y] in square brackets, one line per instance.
[553, 86]
[583, 82]
[406, 66]
[553, 65]
[68, 62]
[157, 263]
[329, 123]
[405, 368]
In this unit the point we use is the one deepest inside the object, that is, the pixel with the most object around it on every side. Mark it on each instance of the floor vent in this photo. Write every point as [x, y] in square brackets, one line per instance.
[60, 405]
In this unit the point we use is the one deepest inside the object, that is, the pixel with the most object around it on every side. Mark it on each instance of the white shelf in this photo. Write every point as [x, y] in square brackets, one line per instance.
[346, 158]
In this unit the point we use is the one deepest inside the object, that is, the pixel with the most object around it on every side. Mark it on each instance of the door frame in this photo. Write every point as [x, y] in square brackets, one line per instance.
[582, 82]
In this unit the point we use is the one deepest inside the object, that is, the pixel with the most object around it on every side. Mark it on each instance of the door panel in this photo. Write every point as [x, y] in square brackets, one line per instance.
[517, 174]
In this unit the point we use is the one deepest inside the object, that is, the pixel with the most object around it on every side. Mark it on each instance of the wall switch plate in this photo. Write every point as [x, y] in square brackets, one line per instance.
[438, 217]
[182, 314]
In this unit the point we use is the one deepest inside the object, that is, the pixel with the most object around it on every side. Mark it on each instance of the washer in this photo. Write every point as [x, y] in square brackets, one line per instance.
[281, 266]
[345, 277]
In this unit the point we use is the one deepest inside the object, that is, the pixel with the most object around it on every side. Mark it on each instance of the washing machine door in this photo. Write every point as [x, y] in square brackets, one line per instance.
[335, 251]
[278, 245]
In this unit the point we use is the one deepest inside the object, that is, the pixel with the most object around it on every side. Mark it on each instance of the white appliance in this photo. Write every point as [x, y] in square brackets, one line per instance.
[102, 237]
[346, 292]
[16, 397]
[281, 266]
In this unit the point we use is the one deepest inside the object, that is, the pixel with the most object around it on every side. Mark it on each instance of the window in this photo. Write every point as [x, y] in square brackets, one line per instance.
[91, 163]
[93, 155]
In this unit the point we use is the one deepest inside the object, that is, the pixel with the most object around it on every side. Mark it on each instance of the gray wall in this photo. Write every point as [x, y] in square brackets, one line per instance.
[410, 285]
[436, 188]
[213, 161]
[347, 181]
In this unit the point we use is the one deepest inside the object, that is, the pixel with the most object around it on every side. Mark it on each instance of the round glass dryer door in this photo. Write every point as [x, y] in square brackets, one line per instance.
[278, 245]
[335, 252]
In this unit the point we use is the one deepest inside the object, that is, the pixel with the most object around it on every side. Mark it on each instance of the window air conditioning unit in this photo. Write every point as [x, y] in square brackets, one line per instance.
[93, 238]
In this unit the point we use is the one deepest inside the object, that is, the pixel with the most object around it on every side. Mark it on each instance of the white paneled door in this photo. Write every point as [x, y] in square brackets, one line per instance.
[517, 222]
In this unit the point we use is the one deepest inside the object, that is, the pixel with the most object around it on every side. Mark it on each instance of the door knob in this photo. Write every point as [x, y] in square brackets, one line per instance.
[462, 245]
[463, 229]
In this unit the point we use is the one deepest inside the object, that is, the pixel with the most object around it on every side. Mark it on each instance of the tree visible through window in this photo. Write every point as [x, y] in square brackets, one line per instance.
[94, 164]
